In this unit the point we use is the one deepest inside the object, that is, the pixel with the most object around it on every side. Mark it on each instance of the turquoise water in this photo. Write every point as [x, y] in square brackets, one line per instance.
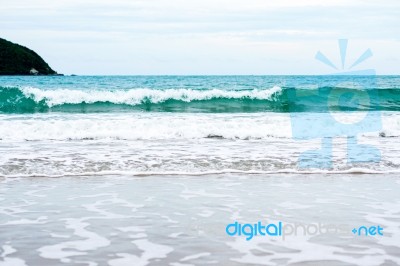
[57, 126]
[150, 170]
[209, 94]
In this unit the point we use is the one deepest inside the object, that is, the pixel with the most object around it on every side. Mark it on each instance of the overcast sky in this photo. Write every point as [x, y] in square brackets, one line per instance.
[204, 36]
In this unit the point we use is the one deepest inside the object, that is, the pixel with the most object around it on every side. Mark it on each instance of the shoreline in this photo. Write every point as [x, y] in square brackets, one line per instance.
[165, 212]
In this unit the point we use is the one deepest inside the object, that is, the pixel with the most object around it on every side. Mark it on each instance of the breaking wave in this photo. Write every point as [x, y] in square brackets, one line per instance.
[275, 99]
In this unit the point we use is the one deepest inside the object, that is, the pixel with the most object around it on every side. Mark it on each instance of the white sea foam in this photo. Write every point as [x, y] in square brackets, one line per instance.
[137, 96]
[356, 171]
[181, 144]
[64, 250]
[144, 126]
[147, 236]
[139, 126]
[10, 261]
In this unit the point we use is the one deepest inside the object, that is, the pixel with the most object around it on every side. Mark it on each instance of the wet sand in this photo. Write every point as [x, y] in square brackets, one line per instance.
[181, 220]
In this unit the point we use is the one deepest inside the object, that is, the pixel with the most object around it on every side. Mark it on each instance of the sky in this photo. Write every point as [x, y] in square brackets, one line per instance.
[204, 37]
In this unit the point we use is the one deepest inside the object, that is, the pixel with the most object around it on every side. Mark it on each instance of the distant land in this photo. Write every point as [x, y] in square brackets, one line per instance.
[16, 59]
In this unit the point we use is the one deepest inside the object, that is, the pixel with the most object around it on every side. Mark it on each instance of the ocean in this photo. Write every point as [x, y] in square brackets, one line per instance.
[62, 126]
[149, 170]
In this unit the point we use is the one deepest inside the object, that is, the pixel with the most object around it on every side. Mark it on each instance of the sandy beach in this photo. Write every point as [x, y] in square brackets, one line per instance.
[181, 220]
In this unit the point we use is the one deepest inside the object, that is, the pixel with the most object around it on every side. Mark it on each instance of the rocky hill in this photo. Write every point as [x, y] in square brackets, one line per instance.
[19, 60]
